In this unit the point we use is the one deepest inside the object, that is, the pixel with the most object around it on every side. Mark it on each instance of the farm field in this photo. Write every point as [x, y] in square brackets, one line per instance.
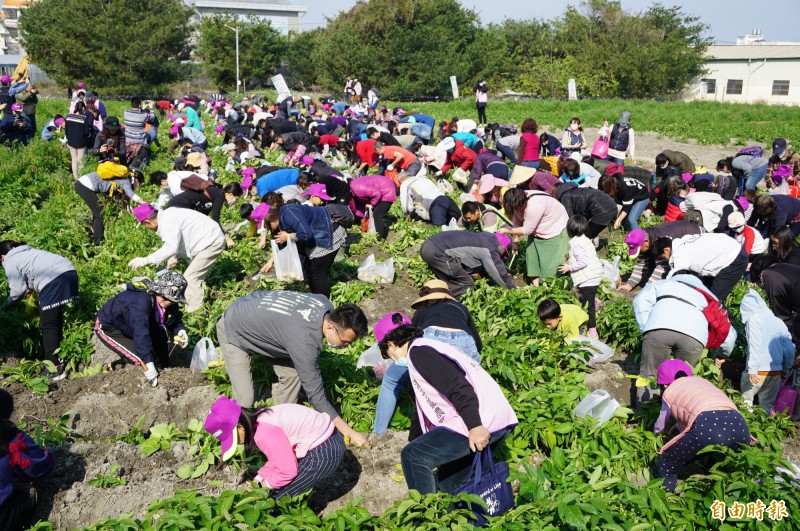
[133, 457]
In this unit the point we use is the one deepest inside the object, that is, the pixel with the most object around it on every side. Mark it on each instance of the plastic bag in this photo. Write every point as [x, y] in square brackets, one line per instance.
[599, 351]
[371, 225]
[611, 270]
[599, 405]
[461, 176]
[372, 271]
[445, 186]
[204, 353]
[287, 262]
[453, 225]
[787, 397]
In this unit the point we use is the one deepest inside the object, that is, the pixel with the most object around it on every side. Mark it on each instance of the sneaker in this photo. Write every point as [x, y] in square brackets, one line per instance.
[593, 333]
[56, 376]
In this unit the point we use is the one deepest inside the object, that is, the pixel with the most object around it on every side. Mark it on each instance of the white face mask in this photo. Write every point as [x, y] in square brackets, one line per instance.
[664, 167]
[574, 127]
[739, 230]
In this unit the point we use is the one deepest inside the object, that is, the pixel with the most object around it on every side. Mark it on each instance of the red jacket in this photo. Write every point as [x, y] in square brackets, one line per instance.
[366, 152]
[462, 156]
[371, 190]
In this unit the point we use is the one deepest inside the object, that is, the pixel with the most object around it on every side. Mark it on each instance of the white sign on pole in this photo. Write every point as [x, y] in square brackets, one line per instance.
[454, 86]
[281, 87]
[572, 90]
[703, 88]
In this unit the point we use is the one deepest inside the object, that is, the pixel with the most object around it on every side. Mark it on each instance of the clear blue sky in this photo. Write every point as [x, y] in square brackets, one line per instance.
[727, 18]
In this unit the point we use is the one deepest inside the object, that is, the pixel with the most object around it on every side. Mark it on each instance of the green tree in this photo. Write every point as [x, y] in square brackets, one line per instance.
[300, 57]
[115, 45]
[260, 49]
[404, 47]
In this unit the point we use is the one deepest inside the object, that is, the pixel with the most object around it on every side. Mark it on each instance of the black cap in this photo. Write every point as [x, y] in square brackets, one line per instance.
[112, 123]
[779, 146]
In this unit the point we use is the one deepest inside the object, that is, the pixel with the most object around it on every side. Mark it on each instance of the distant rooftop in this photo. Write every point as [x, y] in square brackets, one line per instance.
[729, 52]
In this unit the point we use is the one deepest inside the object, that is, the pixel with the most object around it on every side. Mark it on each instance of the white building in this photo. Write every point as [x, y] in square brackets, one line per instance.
[284, 16]
[753, 70]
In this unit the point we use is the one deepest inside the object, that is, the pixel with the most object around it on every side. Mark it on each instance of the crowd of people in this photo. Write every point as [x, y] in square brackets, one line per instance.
[347, 162]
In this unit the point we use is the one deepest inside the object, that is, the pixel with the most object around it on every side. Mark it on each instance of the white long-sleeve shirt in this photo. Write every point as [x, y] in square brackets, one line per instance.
[174, 179]
[184, 233]
[705, 254]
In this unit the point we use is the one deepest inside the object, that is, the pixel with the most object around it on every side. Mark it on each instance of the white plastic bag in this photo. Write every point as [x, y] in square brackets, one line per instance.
[372, 271]
[445, 186]
[611, 270]
[204, 353]
[453, 225]
[287, 262]
[599, 351]
[461, 176]
[370, 357]
[599, 405]
[371, 226]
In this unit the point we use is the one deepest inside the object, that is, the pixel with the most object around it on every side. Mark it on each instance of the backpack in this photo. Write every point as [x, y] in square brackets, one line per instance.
[376, 91]
[109, 170]
[340, 215]
[695, 216]
[751, 151]
[719, 322]
[193, 183]
[723, 182]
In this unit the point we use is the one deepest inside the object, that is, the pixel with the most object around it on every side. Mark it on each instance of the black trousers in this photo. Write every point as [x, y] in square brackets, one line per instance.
[380, 211]
[51, 325]
[481, 113]
[90, 198]
[442, 210]
[124, 347]
[319, 280]
[593, 229]
[586, 295]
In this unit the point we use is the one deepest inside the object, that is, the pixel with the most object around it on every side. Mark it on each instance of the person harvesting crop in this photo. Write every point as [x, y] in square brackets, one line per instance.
[33, 272]
[287, 328]
[704, 416]
[141, 323]
[460, 409]
[185, 234]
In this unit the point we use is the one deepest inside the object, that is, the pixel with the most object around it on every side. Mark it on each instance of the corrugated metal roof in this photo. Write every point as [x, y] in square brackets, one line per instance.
[753, 51]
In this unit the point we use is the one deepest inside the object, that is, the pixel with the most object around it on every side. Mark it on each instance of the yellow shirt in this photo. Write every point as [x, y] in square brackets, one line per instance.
[572, 317]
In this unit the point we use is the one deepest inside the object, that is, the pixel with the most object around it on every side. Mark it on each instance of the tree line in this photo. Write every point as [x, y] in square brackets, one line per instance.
[406, 48]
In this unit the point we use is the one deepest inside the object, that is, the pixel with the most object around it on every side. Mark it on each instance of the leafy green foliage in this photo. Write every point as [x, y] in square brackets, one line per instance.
[112, 479]
[49, 432]
[29, 373]
[134, 46]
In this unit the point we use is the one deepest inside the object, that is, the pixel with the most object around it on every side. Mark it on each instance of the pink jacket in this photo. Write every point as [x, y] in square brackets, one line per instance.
[435, 410]
[286, 433]
[371, 190]
[544, 216]
[688, 397]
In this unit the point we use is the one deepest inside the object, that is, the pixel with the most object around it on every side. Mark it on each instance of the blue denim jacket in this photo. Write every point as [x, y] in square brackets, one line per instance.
[312, 225]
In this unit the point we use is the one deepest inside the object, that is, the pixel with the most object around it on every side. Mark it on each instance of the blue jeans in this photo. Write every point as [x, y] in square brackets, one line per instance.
[530, 163]
[615, 159]
[445, 449]
[396, 378]
[460, 339]
[755, 177]
[507, 152]
[632, 219]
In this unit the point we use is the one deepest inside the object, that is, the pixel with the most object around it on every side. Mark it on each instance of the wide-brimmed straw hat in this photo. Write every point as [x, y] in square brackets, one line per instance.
[433, 290]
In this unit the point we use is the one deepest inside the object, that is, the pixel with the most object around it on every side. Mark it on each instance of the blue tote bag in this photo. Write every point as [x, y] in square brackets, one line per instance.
[491, 484]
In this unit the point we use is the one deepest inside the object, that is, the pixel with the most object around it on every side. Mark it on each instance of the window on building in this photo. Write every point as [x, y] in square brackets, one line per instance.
[780, 87]
[711, 85]
[734, 86]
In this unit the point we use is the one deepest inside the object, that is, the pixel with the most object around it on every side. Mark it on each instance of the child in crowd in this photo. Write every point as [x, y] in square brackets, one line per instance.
[770, 352]
[584, 267]
[302, 446]
[704, 415]
[21, 462]
[565, 318]
[677, 190]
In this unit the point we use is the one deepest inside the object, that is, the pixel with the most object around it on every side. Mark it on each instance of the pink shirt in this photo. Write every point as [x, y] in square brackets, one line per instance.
[544, 216]
[286, 433]
[531, 153]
